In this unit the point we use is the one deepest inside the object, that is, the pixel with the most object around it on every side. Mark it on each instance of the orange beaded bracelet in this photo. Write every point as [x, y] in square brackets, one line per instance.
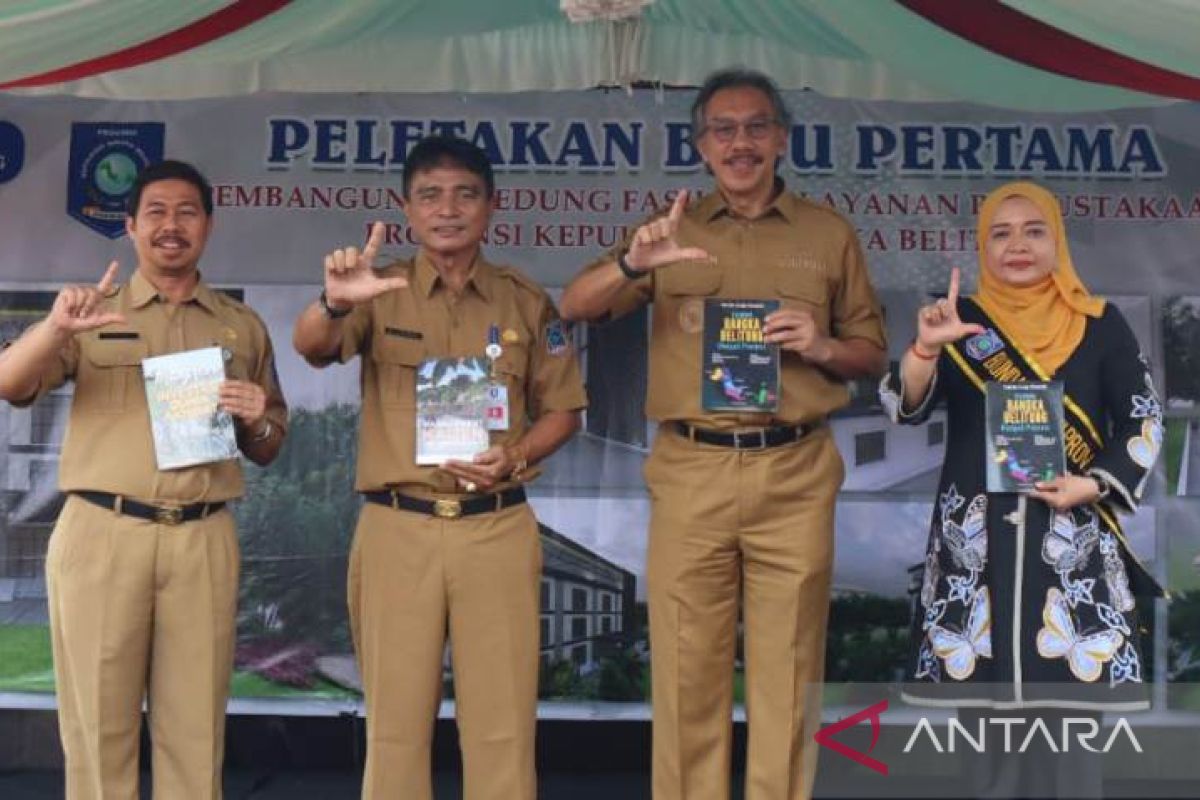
[916, 351]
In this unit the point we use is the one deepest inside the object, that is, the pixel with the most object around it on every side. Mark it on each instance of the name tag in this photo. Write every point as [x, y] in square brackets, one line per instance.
[497, 407]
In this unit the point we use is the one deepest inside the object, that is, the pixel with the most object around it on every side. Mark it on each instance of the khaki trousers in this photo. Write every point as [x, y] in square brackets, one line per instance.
[754, 526]
[411, 578]
[141, 610]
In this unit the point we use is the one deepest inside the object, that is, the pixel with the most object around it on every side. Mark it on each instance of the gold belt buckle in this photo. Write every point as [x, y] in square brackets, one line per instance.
[447, 509]
[168, 516]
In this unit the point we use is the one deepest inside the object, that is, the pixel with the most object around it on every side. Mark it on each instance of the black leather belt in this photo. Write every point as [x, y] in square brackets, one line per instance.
[449, 509]
[163, 515]
[757, 439]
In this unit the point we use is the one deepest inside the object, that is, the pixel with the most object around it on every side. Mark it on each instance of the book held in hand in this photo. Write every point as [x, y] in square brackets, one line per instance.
[740, 371]
[187, 422]
[1024, 435]
[452, 409]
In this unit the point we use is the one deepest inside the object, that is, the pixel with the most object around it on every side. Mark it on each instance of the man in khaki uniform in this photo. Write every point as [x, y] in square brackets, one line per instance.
[142, 567]
[455, 544]
[742, 503]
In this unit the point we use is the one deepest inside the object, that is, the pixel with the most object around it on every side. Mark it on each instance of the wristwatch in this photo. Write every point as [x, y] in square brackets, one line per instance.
[627, 269]
[330, 311]
[264, 434]
[520, 462]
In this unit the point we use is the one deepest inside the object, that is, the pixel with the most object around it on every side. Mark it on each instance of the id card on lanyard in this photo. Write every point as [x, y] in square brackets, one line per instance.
[497, 391]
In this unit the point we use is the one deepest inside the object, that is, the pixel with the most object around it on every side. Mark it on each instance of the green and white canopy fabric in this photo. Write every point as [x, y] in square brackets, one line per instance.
[1065, 55]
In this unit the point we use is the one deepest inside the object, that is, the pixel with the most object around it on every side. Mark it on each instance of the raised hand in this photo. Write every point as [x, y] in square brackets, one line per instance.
[349, 275]
[938, 323]
[654, 243]
[77, 308]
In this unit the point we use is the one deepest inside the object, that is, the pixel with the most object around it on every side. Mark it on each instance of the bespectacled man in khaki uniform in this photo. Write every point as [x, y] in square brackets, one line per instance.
[451, 546]
[142, 567]
[742, 502]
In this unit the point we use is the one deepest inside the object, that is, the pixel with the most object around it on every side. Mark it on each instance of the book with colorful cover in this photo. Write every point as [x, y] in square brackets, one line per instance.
[740, 371]
[452, 409]
[1024, 435]
[182, 394]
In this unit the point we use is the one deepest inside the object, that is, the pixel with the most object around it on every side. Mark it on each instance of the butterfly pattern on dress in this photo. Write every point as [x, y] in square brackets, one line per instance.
[1070, 547]
[958, 646]
[1086, 654]
[959, 650]
[1067, 546]
[967, 542]
[1146, 445]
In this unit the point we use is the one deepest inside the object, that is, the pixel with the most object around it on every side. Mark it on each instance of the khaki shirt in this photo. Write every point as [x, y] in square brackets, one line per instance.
[398, 330]
[108, 445]
[805, 255]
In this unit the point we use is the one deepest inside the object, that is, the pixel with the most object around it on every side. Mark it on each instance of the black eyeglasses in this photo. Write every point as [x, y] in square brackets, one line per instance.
[726, 130]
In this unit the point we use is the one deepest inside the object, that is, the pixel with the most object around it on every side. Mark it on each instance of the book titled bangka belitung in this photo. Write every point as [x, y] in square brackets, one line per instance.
[740, 369]
[1024, 435]
[188, 424]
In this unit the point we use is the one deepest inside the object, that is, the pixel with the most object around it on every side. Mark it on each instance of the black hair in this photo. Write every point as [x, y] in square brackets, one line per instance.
[166, 171]
[437, 151]
[737, 78]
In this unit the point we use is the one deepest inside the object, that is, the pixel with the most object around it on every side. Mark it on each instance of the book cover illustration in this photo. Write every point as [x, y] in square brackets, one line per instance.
[1024, 435]
[452, 409]
[740, 371]
[188, 424]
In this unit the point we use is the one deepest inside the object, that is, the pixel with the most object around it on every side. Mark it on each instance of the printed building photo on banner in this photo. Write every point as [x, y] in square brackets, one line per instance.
[1182, 522]
[1181, 400]
[30, 505]
[879, 549]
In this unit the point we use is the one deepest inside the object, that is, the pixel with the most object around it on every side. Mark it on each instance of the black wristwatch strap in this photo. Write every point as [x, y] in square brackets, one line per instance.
[332, 313]
[627, 270]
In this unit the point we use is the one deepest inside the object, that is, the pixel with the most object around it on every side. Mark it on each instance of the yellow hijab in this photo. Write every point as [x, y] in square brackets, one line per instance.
[1046, 320]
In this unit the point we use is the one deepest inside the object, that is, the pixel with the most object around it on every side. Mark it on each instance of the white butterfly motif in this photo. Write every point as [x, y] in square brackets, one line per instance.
[959, 650]
[1067, 545]
[1086, 655]
[968, 542]
[1144, 447]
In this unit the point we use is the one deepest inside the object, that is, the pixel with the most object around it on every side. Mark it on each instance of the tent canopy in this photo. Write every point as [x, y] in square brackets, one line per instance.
[1066, 55]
